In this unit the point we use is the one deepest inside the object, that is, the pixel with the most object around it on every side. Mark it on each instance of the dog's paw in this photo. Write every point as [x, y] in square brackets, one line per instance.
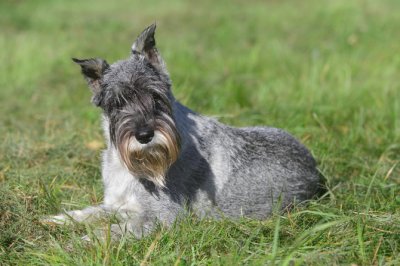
[60, 219]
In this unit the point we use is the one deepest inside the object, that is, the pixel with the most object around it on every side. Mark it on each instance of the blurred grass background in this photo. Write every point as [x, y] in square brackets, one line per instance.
[326, 71]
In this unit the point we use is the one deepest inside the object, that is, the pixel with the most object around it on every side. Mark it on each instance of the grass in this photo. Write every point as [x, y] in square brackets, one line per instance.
[326, 71]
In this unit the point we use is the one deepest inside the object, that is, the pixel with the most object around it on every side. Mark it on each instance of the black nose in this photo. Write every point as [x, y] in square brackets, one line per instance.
[145, 135]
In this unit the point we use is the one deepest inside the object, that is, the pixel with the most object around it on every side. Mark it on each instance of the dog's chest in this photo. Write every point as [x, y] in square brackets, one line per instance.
[119, 184]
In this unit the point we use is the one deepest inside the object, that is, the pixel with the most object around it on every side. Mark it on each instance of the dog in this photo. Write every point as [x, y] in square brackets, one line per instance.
[163, 160]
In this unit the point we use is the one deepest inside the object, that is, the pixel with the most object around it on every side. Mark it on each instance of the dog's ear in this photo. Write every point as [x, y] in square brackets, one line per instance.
[145, 44]
[93, 70]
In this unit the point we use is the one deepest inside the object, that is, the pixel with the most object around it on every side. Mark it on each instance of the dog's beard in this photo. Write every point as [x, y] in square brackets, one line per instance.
[150, 161]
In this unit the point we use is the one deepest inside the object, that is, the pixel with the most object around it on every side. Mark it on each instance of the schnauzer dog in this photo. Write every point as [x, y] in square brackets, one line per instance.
[163, 159]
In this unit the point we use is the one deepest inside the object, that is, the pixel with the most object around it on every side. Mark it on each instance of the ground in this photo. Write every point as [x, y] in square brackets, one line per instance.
[326, 71]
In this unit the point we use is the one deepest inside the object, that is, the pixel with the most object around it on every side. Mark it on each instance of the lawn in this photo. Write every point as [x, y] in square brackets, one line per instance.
[326, 71]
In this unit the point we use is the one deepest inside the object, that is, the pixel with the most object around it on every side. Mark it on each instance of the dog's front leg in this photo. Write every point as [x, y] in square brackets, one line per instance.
[88, 214]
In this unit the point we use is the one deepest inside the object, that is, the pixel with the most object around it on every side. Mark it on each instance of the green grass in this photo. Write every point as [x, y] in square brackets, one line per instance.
[326, 71]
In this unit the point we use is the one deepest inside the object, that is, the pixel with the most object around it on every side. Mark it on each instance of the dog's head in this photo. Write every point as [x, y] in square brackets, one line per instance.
[136, 99]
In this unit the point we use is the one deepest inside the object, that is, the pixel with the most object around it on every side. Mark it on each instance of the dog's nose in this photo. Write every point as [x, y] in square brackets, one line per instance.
[145, 135]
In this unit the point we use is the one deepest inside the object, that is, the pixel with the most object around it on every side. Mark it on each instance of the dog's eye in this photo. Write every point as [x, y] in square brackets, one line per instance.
[157, 100]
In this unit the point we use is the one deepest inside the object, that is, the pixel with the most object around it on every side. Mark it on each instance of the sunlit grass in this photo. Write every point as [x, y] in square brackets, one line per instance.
[326, 71]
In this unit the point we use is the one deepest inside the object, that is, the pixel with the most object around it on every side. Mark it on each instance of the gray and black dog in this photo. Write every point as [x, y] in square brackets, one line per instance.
[163, 160]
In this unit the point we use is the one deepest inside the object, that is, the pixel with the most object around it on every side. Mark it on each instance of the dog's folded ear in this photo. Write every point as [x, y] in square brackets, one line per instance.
[93, 70]
[145, 44]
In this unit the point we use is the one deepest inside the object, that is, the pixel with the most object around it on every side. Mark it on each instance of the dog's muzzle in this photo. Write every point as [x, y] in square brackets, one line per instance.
[149, 158]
